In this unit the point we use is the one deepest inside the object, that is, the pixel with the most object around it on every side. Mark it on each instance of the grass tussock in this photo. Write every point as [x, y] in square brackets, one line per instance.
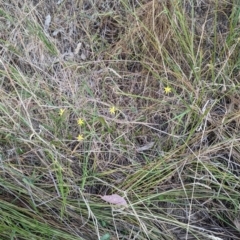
[135, 98]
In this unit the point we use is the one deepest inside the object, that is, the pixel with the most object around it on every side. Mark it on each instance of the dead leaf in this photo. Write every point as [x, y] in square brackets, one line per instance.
[57, 31]
[83, 56]
[114, 199]
[60, 1]
[76, 51]
[145, 147]
[47, 22]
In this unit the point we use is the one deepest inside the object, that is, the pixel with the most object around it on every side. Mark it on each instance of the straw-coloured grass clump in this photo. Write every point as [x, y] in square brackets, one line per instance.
[148, 33]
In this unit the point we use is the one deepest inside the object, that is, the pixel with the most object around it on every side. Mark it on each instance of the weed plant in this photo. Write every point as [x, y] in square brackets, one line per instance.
[135, 98]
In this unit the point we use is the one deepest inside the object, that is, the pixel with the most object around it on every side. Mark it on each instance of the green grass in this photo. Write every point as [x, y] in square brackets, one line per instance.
[173, 157]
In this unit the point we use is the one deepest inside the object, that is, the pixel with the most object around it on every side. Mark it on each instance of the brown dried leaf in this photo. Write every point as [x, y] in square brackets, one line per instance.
[114, 199]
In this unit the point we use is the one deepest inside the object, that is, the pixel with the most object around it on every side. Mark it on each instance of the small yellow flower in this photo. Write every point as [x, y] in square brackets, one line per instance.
[112, 110]
[61, 111]
[80, 137]
[167, 90]
[80, 122]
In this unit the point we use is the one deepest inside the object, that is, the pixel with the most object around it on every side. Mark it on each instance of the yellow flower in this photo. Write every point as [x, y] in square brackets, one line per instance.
[80, 122]
[112, 110]
[61, 111]
[167, 90]
[80, 137]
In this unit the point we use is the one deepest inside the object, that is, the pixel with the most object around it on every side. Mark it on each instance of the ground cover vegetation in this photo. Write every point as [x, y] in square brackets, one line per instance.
[132, 99]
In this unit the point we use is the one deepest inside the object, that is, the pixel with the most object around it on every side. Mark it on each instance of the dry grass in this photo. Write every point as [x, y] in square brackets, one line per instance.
[174, 157]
